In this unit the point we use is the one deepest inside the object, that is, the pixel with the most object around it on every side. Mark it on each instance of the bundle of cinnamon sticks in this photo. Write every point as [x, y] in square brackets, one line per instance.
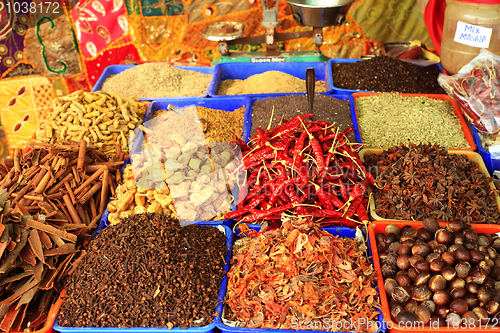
[51, 198]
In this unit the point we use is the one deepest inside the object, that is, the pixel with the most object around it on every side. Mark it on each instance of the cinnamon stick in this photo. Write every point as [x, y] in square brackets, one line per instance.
[17, 160]
[104, 192]
[91, 192]
[71, 209]
[94, 176]
[81, 155]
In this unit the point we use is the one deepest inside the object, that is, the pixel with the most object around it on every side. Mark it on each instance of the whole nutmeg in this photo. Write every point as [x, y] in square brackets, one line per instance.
[395, 308]
[454, 247]
[463, 269]
[437, 322]
[433, 244]
[389, 285]
[406, 239]
[462, 254]
[393, 247]
[421, 293]
[458, 292]
[496, 243]
[382, 255]
[389, 270]
[449, 273]
[402, 279]
[437, 282]
[423, 313]
[489, 282]
[408, 230]
[437, 265]
[403, 250]
[403, 262]
[492, 307]
[485, 294]
[432, 256]
[472, 288]
[412, 274]
[472, 301]
[391, 238]
[431, 224]
[411, 305]
[400, 295]
[381, 248]
[484, 265]
[442, 311]
[380, 238]
[392, 229]
[484, 239]
[430, 305]
[453, 320]
[483, 249]
[492, 253]
[456, 226]
[421, 249]
[458, 239]
[425, 235]
[459, 306]
[471, 319]
[448, 258]
[477, 274]
[443, 236]
[422, 266]
[407, 318]
[441, 297]
[422, 278]
[440, 248]
[414, 258]
[456, 283]
[469, 245]
[392, 258]
[481, 314]
[470, 234]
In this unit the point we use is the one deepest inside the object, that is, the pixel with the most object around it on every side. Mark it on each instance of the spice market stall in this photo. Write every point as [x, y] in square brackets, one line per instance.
[253, 196]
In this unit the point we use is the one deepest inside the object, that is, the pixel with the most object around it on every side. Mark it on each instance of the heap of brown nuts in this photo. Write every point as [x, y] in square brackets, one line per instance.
[440, 276]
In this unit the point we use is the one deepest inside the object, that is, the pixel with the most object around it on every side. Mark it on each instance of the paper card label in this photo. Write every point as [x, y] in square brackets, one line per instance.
[472, 35]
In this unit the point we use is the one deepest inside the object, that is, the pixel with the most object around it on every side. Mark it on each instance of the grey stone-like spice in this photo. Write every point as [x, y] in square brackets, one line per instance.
[387, 120]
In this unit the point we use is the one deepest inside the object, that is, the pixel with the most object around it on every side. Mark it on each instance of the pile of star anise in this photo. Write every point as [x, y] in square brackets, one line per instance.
[419, 181]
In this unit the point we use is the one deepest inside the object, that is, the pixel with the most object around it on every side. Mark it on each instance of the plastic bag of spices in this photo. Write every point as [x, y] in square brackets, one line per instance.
[476, 89]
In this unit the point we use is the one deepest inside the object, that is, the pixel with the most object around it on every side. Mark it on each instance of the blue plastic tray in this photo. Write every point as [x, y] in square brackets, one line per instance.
[348, 97]
[331, 87]
[204, 329]
[242, 71]
[492, 164]
[339, 231]
[116, 69]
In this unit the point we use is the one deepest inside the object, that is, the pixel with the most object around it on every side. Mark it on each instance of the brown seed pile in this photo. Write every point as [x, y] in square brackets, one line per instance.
[386, 74]
[147, 271]
[325, 108]
[157, 79]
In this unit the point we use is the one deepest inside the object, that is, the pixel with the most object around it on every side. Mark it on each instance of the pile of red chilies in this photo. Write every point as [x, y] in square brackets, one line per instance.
[307, 169]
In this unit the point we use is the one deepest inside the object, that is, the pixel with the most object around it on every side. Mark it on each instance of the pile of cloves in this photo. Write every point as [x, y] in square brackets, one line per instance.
[147, 271]
[440, 275]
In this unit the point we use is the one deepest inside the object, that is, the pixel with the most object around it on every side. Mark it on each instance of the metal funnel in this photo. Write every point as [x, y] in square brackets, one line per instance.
[319, 13]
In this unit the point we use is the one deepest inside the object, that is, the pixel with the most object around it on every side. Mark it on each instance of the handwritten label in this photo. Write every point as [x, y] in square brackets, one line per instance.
[273, 59]
[472, 35]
